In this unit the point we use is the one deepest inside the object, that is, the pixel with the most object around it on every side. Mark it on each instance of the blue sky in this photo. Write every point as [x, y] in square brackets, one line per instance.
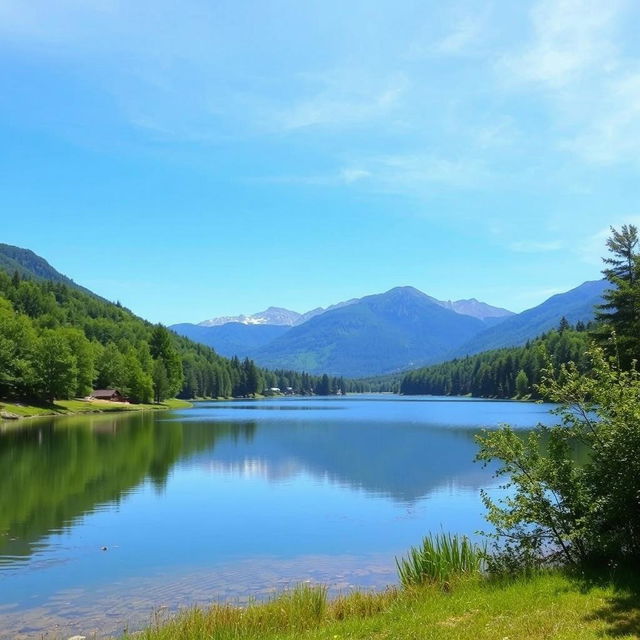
[194, 159]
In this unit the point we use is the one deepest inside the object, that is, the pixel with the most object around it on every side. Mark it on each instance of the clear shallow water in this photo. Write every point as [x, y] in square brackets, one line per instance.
[229, 500]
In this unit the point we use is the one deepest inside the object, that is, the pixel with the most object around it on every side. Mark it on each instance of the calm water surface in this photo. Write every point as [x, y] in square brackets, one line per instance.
[229, 500]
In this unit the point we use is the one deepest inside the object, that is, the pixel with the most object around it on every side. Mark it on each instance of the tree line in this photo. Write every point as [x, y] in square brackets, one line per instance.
[502, 373]
[57, 342]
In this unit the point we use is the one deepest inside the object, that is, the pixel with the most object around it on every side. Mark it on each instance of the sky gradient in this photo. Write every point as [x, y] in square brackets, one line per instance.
[195, 159]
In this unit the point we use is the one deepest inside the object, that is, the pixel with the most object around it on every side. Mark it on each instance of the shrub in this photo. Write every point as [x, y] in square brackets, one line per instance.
[576, 509]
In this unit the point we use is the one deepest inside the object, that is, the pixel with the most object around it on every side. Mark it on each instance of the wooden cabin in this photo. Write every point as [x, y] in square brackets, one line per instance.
[112, 395]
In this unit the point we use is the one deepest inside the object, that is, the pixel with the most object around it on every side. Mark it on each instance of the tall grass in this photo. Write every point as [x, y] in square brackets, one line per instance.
[291, 613]
[439, 559]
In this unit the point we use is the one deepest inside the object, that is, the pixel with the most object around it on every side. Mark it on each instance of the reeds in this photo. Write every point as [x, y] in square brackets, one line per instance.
[440, 558]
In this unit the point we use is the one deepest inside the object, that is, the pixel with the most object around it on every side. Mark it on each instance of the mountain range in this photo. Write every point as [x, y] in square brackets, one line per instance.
[385, 333]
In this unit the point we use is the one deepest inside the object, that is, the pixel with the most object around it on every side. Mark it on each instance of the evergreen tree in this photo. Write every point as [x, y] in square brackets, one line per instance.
[324, 386]
[620, 313]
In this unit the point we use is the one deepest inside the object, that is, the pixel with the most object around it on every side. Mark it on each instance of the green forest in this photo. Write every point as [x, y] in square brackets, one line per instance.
[58, 342]
[503, 373]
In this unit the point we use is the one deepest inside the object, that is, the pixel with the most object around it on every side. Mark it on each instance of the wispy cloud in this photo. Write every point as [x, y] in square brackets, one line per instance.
[528, 246]
[345, 97]
[419, 172]
[577, 61]
[467, 32]
[570, 38]
[351, 175]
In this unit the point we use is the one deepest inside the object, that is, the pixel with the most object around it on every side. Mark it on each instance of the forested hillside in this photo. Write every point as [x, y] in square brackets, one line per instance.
[503, 373]
[57, 342]
[30, 265]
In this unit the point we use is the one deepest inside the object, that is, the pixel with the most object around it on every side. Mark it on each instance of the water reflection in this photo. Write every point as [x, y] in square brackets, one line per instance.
[402, 461]
[55, 471]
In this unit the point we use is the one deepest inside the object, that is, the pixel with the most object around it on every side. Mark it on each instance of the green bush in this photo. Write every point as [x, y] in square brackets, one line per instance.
[574, 488]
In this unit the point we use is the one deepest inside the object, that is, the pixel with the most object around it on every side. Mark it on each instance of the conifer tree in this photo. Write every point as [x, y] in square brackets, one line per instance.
[620, 312]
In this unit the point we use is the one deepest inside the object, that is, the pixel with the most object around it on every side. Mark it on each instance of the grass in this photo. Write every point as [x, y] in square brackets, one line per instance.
[440, 558]
[68, 407]
[550, 605]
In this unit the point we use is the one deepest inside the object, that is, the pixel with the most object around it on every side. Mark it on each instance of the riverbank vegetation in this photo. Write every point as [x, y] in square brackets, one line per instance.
[547, 605]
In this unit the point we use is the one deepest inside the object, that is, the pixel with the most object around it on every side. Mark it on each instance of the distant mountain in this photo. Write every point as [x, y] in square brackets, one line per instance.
[476, 309]
[273, 316]
[399, 329]
[277, 316]
[30, 265]
[233, 338]
[575, 305]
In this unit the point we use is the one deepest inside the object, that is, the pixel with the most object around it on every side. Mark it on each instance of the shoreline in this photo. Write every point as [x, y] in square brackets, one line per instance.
[552, 603]
[76, 407]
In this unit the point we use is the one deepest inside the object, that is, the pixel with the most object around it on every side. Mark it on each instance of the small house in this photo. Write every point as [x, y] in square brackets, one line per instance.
[112, 395]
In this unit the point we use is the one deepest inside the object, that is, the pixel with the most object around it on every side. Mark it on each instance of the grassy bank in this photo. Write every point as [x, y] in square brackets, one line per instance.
[552, 605]
[70, 407]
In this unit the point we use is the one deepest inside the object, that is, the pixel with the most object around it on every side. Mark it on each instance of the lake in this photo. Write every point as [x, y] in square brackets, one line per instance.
[108, 520]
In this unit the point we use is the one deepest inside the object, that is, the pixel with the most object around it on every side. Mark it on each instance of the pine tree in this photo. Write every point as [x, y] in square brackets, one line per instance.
[620, 312]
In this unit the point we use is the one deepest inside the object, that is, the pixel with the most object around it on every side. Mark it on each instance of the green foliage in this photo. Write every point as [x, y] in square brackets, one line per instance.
[503, 373]
[575, 486]
[161, 384]
[522, 383]
[54, 367]
[58, 341]
[439, 559]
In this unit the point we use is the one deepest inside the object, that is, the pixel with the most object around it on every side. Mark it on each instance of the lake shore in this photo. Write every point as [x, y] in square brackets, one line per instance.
[80, 406]
[547, 605]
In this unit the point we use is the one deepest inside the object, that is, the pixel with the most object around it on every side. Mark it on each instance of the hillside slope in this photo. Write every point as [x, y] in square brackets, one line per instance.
[28, 264]
[575, 305]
